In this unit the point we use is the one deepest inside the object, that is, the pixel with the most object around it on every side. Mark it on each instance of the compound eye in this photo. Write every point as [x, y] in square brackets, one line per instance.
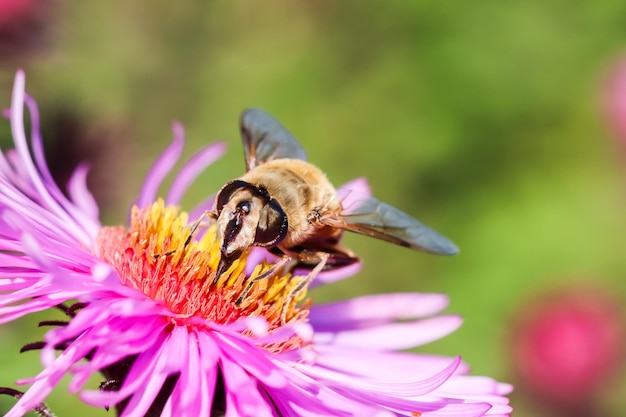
[273, 225]
[224, 195]
[244, 207]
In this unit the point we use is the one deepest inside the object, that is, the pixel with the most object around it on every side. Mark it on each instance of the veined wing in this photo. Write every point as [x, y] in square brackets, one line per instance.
[380, 220]
[264, 139]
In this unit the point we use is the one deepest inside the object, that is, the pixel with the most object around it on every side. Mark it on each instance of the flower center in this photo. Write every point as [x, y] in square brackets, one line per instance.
[151, 257]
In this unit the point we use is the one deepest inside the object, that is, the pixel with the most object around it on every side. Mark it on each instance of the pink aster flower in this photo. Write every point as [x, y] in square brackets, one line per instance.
[169, 343]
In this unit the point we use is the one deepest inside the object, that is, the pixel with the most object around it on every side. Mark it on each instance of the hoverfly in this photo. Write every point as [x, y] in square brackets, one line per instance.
[287, 205]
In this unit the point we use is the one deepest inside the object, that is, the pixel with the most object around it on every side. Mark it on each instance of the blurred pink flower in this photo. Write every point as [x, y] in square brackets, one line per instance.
[567, 345]
[24, 27]
[615, 100]
[11, 10]
[171, 342]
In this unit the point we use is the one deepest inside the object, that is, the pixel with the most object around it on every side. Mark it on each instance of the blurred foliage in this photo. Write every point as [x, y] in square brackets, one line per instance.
[482, 120]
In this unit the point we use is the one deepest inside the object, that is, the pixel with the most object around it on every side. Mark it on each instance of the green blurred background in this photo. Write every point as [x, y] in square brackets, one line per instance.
[484, 120]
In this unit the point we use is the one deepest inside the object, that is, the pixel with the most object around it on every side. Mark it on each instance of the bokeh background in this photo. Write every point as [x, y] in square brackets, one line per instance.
[496, 123]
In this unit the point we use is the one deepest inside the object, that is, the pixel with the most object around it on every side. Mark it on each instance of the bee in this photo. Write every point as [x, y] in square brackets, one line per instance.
[287, 205]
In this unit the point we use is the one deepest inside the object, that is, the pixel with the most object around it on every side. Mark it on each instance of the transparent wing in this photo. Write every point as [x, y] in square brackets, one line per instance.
[382, 221]
[264, 139]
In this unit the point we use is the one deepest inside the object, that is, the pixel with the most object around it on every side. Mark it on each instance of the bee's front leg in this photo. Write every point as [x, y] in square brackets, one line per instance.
[267, 274]
[194, 226]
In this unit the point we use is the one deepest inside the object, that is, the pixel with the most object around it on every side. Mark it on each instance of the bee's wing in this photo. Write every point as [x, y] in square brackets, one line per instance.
[382, 221]
[264, 139]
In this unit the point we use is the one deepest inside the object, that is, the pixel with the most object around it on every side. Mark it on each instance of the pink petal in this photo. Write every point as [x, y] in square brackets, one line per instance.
[353, 192]
[394, 336]
[375, 309]
[162, 167]
[198, 163]
[328, 277]
[242, 393]
[364, 388]
[21, 145]
[85, 215]
[193, 394]
[142, 370]
[254, 360]
[383, 366]
[80, 195]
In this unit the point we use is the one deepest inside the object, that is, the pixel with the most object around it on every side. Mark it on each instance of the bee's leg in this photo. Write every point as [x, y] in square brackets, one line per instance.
[323, 258]
[207, 214]
[267, 274]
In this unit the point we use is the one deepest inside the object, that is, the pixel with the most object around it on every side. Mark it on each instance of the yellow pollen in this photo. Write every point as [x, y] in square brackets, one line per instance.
[150, 256]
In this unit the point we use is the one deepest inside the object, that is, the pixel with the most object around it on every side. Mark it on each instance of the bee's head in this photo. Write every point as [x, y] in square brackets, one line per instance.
[247, 216]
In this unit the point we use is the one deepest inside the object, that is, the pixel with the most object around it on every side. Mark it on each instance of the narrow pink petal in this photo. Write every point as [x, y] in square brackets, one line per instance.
[80, 195]
[8, 314]
[57, 364]
[43, 252]
[21, 145]
[162, 167]
[353, 192]
[504, 388]
[296, 400]
[282, 334]
[141, 400]
[256, 256]
[366, 388]
[234, 330]
[191, 382]
[13, 261]
[208, 367]
[133, 338]
[394, 336]
[11, 283]
[334, 275]
[375, 309]
[16, 172]
[198, 163]
[84, 215]
[384, 396]
[34, 396]
[168, 362]
[36, 218]
[209, 352]
[139, 375]
[193, 394]
[452, 409]
[251, 358]
[322, 402]
[33, 250]
[383, 366]
[242, 393]
[37, 141]
[43, 384]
